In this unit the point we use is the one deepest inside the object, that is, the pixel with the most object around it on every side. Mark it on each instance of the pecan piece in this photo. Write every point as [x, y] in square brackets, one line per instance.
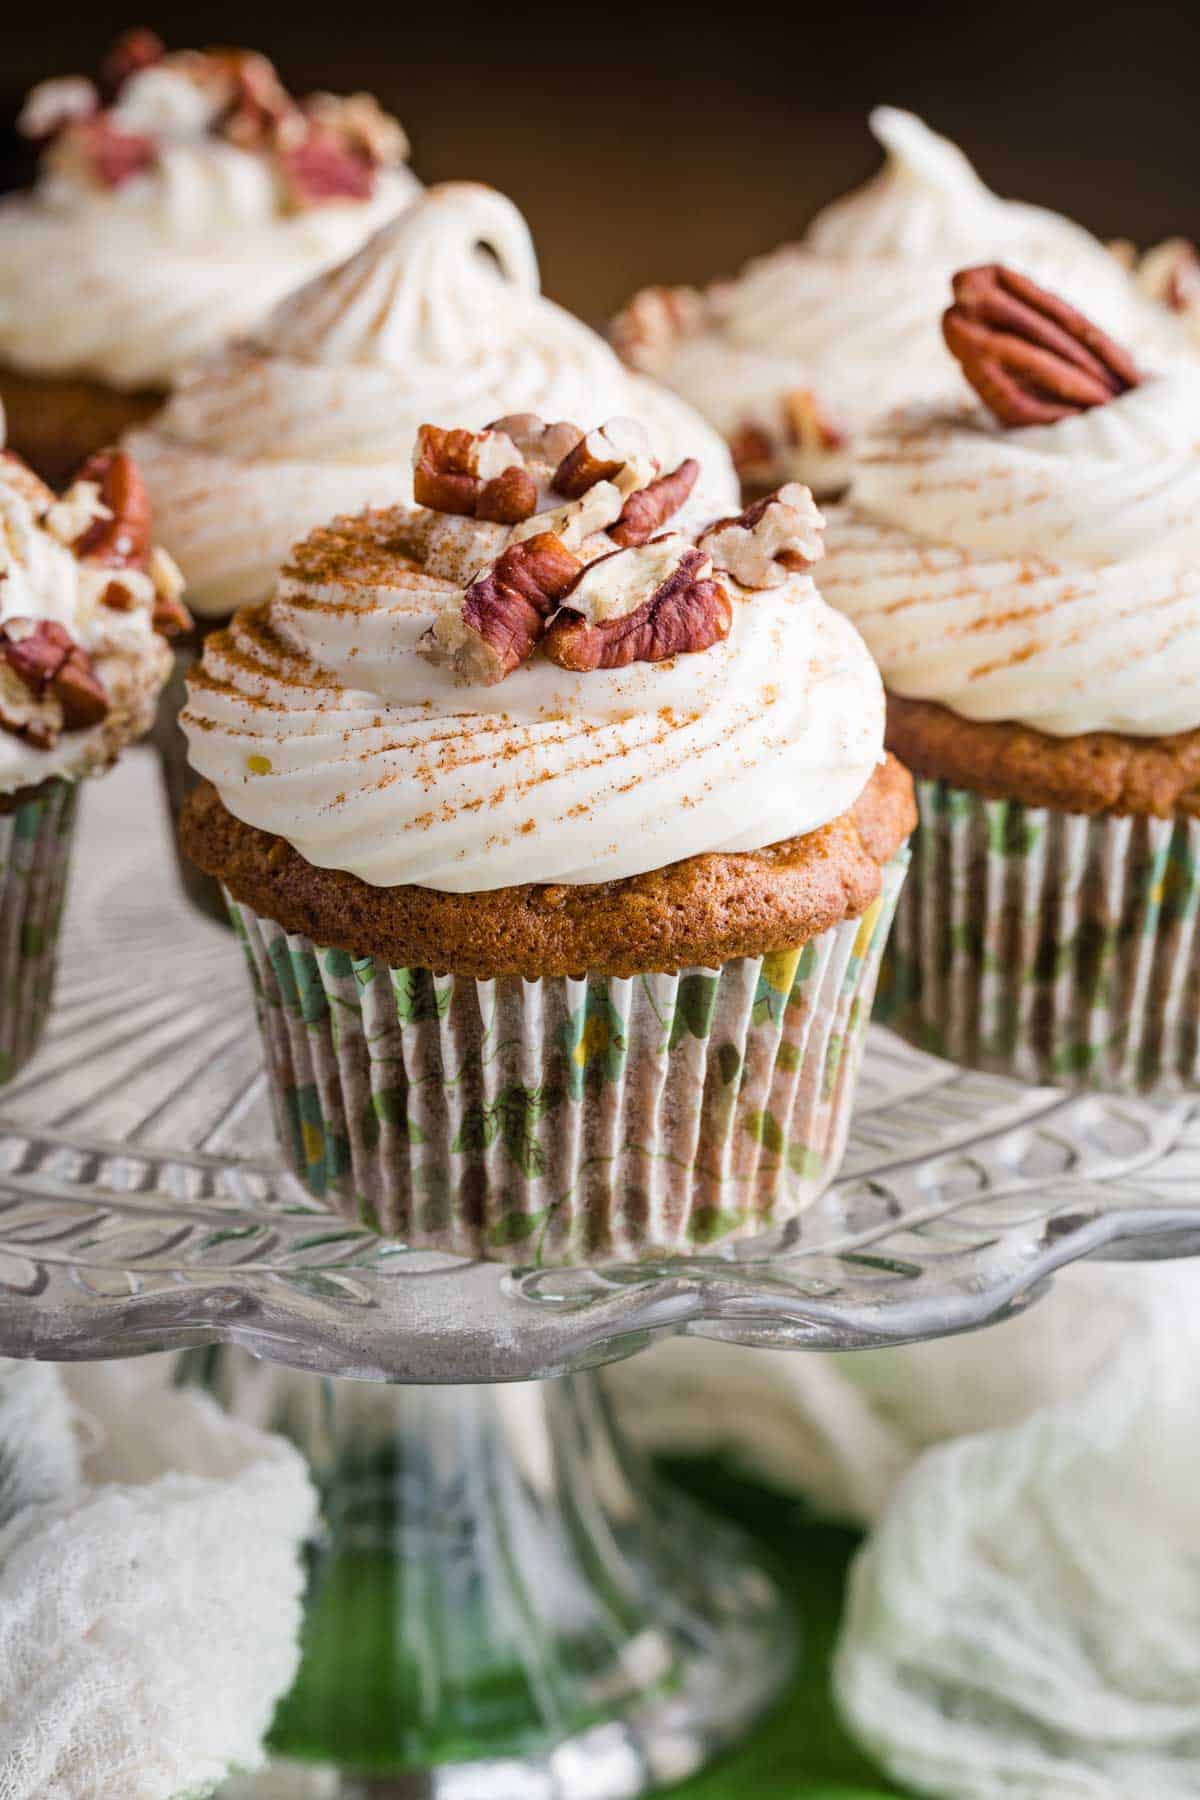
[616, 452]
[51, 666]
[325, 167]
[51, 105]
[121, 541]
[169, 616]
[133, 51]
[751, 449]
[475, 474]
[778, 535]
[16, 474]
[541, 446]
[78, 691]
[260, 111]
[1170, 273]
[687, 612]
[361, 123]
[809, 426]
[648, 509]
[1029, 356]
[503, 612]
[109, 156]
[645, 334]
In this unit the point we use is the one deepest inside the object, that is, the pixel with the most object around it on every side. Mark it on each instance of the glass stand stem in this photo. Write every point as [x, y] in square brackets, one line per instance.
[507, 1603]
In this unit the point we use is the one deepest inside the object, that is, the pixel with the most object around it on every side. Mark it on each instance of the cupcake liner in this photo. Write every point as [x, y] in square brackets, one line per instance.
[35, 846]
[1051, 946]
[568, 1118]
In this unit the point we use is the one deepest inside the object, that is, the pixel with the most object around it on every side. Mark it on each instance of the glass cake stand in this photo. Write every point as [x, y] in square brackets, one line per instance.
[505, 1603]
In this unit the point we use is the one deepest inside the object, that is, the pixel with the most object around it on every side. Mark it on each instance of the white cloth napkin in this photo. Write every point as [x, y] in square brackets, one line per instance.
[1024, 1621]
[150, 1585]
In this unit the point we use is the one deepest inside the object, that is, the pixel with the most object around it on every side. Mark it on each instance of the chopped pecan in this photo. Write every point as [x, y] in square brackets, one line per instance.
[360, 121]
[51, 666]
[118, 596]
[751, 449]
[541, 446]
[616, 452]
[53, 104]
[688, 612]
[477, 474]
[779, 534]
[324, 167]
[1029, 356]
[108, 155]
[122, 540]
[133, 51]
[169, 616]
[260, 112]
[503, 612]
[646, 332]
[809, 426]
[648, 509]
[16, 474]
[1170, 273]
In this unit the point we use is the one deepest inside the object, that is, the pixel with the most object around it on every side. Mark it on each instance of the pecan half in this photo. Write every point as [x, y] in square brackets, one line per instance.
[109, 156]
[1029, 356]
[475, 474]
[503, 612]
[776, 536]
[133, 51]
[121, 541]
[648, 509]
[51, 666]
[688, 612]
[616, 452]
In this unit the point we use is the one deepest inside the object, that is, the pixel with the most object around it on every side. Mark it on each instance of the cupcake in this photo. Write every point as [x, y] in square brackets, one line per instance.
[796, 357]
[1025, 571]
[556, 822]
[177, 201]
[439, 316]
[85, 606]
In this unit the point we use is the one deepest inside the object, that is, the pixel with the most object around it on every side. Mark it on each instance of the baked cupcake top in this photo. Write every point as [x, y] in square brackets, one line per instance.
[794, 359]
[1034, 558]
[86, 603]
[556, 670]
[177, 201]
[439, 316]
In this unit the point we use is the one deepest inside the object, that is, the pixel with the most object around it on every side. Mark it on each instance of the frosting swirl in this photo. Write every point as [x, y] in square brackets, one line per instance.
[439, 317]
[317, 720]
[1045, 576]
[128, 282]
[848, 317]
[43, 580]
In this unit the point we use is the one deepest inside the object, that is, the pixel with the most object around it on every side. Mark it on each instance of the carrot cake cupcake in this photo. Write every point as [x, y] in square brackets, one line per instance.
[178, 199]
[86, 604]
[1025, 571]
[794, 358]
[556, 820]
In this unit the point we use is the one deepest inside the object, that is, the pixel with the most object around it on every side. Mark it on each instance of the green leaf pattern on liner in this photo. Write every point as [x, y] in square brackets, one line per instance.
[35, 842]
[1049, 946]
[567, 1119]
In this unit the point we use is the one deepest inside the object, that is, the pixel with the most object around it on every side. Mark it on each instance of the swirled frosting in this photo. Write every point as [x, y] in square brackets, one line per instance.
[129, 284]
[41, 578]
[1048, 576]
[849, 315]
[318, 721]
[438, 318]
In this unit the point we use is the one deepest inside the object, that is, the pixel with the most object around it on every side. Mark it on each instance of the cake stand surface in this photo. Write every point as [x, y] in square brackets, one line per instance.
[505, 1602]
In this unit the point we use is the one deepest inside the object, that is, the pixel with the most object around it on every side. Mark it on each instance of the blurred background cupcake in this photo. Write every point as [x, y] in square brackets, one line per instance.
[177, 199]
[1025, 572]
[563, 898]
[86, 603]
[794, 358]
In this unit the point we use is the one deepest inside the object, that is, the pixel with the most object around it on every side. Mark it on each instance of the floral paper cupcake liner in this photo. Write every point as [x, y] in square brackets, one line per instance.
[566, 1119]
[1055, 947]
[35, 845]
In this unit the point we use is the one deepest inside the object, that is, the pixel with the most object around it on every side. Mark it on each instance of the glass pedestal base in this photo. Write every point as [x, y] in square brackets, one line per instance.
[506, 1603]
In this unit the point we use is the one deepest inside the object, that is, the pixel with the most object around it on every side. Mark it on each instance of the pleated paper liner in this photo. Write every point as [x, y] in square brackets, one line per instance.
[35, 845]
[1050, 946]
[566, 1119]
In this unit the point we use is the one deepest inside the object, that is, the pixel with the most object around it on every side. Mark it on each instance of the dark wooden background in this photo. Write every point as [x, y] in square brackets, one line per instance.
[668, 142]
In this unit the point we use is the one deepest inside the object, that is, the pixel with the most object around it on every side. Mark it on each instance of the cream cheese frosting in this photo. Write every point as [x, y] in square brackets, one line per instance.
[41, 579]
[846, 320]
[319, 718]
[439, 318]
[129, 284]
[1047, 576]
